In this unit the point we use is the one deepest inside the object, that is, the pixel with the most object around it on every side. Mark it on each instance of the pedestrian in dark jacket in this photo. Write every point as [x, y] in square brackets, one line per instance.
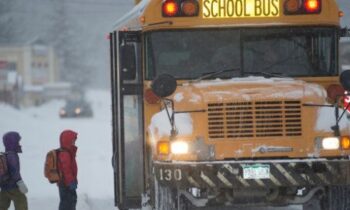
[68, 167]
[14, 189]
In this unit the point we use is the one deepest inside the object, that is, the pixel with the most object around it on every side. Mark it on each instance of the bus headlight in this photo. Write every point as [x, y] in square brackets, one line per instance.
[179, 147]
[330, 143]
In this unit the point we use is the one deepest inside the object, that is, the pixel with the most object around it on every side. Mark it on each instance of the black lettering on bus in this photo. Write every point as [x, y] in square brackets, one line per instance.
[230, 8]
[206, 11]
[239, 8]
[246, 9]
[274, 10]
[212, 8]
[258, 10]
[222, 8]
[266, 7]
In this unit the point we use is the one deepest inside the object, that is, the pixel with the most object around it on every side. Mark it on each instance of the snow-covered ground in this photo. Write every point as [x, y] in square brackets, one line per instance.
[40, 128]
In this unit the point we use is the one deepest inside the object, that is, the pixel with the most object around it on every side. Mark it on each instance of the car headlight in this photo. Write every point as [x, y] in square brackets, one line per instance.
[330, 143]
[179, 147]
[77, 111]
[62, 112]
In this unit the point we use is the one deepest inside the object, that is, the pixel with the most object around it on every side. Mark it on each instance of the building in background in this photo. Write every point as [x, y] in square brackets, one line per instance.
[29, 74]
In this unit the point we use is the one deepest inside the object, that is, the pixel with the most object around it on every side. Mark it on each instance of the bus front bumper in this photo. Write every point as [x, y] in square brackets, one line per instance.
[253, 174]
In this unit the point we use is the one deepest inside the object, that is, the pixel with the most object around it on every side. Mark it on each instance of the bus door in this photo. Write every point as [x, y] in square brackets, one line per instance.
[127, 117]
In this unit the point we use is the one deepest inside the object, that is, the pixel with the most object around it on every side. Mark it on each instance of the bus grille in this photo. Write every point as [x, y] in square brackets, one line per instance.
[254, 119]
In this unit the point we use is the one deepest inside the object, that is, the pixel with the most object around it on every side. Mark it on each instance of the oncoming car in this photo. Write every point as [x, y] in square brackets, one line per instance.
[76, 108]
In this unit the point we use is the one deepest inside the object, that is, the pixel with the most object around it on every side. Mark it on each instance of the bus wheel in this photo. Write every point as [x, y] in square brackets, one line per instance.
[169, 199]
[164, 197]
[182, 202]
[336, 197]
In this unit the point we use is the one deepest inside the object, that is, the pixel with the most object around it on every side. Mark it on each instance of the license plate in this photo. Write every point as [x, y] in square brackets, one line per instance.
[256, 171]
[240, 8]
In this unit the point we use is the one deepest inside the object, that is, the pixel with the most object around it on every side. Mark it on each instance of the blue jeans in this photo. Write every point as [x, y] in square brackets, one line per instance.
[68, 198]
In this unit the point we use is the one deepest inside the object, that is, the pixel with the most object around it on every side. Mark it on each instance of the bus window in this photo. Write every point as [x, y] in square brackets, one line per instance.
[188, 54]
[290, 52]
[128, 61]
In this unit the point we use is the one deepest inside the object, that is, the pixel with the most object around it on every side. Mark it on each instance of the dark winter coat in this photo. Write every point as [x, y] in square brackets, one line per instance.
[66, 158]
[12, 147]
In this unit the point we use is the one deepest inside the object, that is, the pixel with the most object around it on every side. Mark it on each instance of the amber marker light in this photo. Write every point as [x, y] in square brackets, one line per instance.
[345, 142]
[312, 5]
[341, 14]
[170, 8]
[142, 19]
[163, 148]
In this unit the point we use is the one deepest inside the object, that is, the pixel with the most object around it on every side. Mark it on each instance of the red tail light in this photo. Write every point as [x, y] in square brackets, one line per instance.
[302, 7]
[170, 8]
[312, 6]
[180, 8]
[292, 6]
[189, 8]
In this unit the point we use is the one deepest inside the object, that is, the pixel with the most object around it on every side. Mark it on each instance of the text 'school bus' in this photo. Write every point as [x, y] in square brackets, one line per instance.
[228, 103]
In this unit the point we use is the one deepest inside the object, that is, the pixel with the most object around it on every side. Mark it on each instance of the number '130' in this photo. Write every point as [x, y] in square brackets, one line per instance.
[169, 174]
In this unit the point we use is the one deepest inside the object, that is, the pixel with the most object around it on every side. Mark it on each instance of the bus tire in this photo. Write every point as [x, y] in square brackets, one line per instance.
[336, 197]
[169, 199]
[164, 197]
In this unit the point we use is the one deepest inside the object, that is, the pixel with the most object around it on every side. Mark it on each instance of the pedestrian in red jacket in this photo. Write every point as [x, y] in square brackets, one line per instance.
[68, 167]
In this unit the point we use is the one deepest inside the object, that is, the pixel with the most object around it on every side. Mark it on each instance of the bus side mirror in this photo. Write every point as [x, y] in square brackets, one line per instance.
[164, 85]
[128, 61]
[345, 79]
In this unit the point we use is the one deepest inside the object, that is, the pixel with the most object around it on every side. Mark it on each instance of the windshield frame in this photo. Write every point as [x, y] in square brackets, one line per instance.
[332, 32]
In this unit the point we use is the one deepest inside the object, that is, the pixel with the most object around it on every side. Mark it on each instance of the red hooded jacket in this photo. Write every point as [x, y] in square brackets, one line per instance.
[66, 158]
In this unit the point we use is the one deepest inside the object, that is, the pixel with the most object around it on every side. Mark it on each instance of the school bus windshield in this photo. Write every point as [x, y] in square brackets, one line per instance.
[190, 54]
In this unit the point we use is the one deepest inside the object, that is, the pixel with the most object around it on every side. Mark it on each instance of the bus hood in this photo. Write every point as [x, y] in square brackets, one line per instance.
[278, 119]
[198, 95]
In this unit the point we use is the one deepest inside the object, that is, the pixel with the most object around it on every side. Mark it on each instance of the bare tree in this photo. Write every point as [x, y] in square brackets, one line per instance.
[6, 21]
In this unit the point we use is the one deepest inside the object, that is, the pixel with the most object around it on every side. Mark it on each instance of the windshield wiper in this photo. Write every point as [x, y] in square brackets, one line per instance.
[265, 74]
[210, 74]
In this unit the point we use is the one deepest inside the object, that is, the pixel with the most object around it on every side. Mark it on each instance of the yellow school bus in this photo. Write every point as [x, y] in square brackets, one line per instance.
[229, 103]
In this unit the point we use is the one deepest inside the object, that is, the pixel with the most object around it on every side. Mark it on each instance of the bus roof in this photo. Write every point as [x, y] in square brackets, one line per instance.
[147, 15]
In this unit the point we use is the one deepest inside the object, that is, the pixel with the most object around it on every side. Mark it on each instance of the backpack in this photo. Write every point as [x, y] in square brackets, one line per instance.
[51, 170]
[4, 173]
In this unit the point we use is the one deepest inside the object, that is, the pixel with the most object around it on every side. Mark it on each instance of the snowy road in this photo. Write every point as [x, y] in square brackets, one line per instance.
[40, 128]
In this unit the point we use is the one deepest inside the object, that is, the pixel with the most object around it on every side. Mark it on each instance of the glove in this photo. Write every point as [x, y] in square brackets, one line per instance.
[73, 185]
[22, 187]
